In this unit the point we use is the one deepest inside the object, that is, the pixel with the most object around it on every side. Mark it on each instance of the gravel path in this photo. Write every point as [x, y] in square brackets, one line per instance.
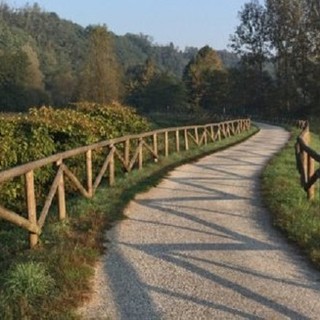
[200, 245]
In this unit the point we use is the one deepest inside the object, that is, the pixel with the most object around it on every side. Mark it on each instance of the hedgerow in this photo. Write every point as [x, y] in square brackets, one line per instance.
[45, 131]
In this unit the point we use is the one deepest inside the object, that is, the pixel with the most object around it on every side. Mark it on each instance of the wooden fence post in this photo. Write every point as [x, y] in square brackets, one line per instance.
[140, 156]
[89, 172]
[31, 206]
[111, 166]
[238, 131]
[61, 195]
[155, 145]
[186, 141]
[219, 132]
[177, 141]
[196, 135]
[228, 129]
[305, 161]
[232, 128]
[212, 133]
[310, 173]
[166, 144]
[127, 152]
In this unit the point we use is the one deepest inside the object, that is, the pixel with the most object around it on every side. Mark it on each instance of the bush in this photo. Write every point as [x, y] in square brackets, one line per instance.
[22, 142]
[45, 131]
[24, 284]
[114, 120]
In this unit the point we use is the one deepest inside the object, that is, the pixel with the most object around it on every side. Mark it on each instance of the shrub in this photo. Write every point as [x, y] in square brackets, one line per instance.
[114, 120]
[24, 284]
[22, 142]
[45, 131]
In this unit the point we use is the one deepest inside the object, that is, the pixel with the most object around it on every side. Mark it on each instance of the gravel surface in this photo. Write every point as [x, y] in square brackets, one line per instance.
[200, 245]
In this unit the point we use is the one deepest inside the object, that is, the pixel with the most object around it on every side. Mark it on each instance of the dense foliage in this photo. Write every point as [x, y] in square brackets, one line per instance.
[48, 60]
[46, 131]
[198, 75]
[52, 61]
[279, 43]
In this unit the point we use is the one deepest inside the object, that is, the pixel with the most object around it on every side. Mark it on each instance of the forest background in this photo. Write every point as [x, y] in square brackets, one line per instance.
[273, 69]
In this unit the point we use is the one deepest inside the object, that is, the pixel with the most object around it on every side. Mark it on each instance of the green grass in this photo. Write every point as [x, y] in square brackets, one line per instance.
[69, 250]
[297, 217]
[25, 283]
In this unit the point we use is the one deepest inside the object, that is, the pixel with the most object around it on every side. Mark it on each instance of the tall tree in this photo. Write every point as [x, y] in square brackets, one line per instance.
[217, 90]
[13, 66]
[164, 93]
[197, 73]
[251, 42]
[34, 74]
[251, 39]
[287, 35]
[138, 78]
[101, 79]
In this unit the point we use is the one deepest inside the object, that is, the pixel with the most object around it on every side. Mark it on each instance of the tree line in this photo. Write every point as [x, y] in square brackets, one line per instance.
[279, 45]
[273, 70]
[48, 60]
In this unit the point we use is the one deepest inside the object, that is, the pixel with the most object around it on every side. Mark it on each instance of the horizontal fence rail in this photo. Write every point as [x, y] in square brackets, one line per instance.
[305, 160]
[280, 121]
[126, 152]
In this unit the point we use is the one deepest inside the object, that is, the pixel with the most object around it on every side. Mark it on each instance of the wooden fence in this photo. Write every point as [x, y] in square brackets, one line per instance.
[305, 159]
[129, 152]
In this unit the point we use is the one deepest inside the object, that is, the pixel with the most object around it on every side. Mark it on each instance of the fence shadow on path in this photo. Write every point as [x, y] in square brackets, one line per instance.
[137, 303]
[182, 213]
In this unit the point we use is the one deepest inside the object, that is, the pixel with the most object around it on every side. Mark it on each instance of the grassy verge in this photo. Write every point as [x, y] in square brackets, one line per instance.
[52, 280]
[292, 212]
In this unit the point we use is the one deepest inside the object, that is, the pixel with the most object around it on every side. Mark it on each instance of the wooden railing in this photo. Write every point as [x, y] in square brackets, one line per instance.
[128, 151]
[305, 159]
[280, 121]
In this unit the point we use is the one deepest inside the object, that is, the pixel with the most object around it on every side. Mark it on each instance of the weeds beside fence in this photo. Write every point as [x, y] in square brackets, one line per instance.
[115, 156]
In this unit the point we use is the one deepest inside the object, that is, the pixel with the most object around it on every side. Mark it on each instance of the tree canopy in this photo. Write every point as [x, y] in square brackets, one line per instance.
[55, 61]
[274, 67]
[283, 35]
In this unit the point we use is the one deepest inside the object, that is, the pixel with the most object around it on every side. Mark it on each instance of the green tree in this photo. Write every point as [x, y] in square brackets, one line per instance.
[217, 91]
[197, 73]
[101, 78]
[284, 36]
[13, 67]
[164, 93]
[138, 78]
[287, 36]
[34, 74]
[250, 40]
[62, 85]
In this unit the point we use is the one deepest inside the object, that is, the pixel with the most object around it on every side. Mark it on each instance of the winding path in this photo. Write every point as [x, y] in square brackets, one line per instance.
[200, 245]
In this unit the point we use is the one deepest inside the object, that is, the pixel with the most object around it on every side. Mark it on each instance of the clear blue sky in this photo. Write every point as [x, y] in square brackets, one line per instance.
[183, 22]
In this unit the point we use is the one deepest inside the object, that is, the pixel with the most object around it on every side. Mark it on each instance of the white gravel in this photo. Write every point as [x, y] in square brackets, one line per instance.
[200, 245]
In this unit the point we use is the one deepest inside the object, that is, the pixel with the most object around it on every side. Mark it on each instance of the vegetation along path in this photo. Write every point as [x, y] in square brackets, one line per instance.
[200, 245]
